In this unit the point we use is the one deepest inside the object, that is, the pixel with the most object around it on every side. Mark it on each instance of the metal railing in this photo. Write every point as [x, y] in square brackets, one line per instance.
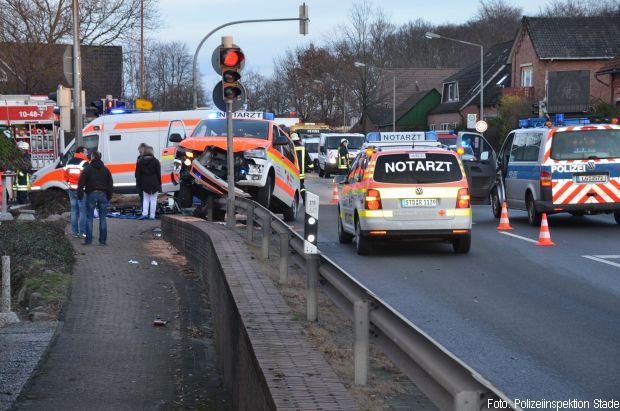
[447, 381]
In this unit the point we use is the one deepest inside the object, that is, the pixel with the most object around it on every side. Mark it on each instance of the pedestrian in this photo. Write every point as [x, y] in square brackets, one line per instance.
[141, 148]
[72, 172]
[344, 162]
[21, 186]
[96, 182]
[148, 178]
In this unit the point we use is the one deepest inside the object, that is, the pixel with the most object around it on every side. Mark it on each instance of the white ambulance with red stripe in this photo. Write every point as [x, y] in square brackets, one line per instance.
[570, 166]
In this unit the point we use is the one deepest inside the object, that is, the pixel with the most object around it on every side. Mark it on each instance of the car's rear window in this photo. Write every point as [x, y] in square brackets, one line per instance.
[417, 168]
[585, 144]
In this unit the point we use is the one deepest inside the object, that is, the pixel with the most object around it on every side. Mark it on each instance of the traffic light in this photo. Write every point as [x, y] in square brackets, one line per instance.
[62, 97]
[231, 63]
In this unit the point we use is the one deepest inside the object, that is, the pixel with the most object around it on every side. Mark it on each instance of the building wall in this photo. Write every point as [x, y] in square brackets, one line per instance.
[415, 119]
[460, 118]
[615, 85]
[525, 53]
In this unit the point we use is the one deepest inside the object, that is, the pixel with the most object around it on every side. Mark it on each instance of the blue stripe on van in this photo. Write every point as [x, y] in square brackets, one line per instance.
[524, 172]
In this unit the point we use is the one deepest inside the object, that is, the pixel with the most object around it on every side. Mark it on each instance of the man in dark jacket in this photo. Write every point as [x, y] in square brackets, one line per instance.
[148, 178]
[96, 182]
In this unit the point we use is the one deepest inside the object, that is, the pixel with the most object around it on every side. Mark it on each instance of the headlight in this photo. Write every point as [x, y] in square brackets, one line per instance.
[187, 162]
[189, 154]
[332, 160]
[255, 153]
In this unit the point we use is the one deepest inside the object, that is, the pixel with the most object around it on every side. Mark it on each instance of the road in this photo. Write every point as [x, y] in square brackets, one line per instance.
[538, 322]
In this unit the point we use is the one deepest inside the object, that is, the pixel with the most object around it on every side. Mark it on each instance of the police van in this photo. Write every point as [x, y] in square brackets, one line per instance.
[405, 187]
[570, 166]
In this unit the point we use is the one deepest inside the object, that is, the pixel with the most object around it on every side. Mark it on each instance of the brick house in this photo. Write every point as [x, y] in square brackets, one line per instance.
[556, 60]
[612, 71]
[460, 94]
[38, 69]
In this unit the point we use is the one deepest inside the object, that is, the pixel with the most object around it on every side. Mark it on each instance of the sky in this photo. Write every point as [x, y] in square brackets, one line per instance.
[190, 20]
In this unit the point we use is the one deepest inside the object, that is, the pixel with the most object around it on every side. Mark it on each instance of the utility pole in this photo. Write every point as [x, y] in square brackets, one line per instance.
[141, 48]
[77, 75]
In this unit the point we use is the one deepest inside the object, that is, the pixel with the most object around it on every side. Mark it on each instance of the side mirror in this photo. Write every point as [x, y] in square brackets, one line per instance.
[340, 178]
[280, 141]
[484, 156]
[175, 138]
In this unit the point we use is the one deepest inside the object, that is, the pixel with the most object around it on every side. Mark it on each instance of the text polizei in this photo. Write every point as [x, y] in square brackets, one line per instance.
[417, 165]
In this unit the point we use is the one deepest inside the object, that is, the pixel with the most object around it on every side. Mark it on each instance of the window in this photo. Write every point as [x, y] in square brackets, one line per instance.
[432, 127]
[176, 126]
[241, 128]
[527, 76]
[525, 147]
[450, 92]
[402, 169]
[585, 144]
[288, 150]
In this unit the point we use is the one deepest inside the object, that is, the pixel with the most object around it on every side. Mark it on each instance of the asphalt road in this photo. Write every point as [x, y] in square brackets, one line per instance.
[538, 322]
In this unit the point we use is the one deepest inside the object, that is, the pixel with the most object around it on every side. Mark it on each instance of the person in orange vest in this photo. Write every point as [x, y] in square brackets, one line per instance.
[72, 171]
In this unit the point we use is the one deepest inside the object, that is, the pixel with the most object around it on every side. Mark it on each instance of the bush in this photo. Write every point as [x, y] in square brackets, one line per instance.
[510, 110]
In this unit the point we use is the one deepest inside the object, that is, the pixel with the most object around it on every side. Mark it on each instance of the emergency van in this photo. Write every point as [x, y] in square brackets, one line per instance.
[570, 166]
[411, 188]
[265, 164]
[312, 148]
[117, 137]
[328, 150]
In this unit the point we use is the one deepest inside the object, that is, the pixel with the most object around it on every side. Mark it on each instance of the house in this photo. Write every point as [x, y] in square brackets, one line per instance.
[460, 93]
[612, 70]
[37, 69]
[558, 61]
[410, 114]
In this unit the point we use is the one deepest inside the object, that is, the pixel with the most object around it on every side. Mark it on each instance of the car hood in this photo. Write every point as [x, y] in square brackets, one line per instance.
[240, 143]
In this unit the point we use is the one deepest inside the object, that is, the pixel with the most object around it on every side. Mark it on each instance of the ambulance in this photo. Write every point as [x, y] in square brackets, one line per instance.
[117, 137]
[266, 165]
[566, 166]
[405, 188]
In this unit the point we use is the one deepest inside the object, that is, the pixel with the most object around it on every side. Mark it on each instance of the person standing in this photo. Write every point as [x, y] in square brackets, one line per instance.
[148, 178]
[72, 171]
[96, 182]
[344, 162]
[304, 162]
[141, 148]
[21, 186]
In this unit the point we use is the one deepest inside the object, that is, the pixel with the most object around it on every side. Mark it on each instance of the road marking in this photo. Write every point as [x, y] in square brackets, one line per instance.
[601, 259]
[519, 237]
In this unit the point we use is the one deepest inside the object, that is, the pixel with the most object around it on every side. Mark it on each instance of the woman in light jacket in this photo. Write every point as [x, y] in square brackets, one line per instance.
[148, 180]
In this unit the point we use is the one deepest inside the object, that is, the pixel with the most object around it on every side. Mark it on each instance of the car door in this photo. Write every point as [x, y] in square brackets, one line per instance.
[168, 153]
[287, 174]
[501, 171]
[349, 191]
[512, 182]
[481, 168]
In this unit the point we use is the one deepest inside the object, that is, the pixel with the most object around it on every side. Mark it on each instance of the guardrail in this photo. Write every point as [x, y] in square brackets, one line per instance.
[448, 382]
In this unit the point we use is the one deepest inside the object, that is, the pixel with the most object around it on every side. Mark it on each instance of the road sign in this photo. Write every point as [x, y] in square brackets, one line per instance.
[311, 223]
[471, 120]
[481, 126]
[142, 104]
[218, 98]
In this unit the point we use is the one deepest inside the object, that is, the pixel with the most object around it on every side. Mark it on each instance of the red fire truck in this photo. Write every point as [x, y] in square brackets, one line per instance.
[31, 119]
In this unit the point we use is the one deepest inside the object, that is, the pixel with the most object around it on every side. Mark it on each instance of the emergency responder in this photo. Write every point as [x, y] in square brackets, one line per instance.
[304, 161]
[344, 163]
[73, 170]
[22, 177]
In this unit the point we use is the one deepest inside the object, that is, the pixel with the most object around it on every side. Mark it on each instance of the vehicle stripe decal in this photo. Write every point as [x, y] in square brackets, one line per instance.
[287, 189]
[275, 157]
[574, 194]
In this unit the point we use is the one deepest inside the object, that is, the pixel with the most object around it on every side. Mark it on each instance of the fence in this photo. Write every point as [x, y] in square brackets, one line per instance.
[448, 382]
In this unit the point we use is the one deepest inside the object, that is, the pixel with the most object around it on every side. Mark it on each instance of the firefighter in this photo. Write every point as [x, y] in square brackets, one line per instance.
[22, 177]
[344, 163]
[303, 159]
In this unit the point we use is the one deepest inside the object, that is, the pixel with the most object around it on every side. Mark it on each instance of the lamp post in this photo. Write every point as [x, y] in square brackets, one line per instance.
[358, 64]
[431, 36]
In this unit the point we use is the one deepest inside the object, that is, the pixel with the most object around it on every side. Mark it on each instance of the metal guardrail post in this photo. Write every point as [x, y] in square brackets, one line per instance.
[5, 307]
[284, 239]
[361, 329]
[312, 280]
[266, 234]
[249, 233]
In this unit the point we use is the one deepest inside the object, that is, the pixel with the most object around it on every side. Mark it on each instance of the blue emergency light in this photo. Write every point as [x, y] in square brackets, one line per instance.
[268, 116]
[373, 136]
[559, 121]
[118, 111]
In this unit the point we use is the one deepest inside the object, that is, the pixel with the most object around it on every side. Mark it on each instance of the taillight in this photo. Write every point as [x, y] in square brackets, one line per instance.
[373, 200]
[462, 199]
[545, 179]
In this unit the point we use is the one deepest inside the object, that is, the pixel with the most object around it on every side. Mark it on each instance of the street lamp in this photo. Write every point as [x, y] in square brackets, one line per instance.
[358, 64]
[431, 36]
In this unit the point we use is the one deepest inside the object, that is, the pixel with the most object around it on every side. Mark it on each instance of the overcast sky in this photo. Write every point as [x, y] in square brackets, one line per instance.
[190, 20]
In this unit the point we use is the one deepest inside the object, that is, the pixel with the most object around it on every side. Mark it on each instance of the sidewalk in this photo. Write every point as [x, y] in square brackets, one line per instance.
[109, 356]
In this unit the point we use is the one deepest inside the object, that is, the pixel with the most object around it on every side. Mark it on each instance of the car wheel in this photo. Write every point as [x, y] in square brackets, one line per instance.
[362, 244]
[462, 244]
[327, 174]
[343, 237]
[496, 205]
[321, 172]
[617, 216]
[290, 213]
[263, 195]
[533, 216]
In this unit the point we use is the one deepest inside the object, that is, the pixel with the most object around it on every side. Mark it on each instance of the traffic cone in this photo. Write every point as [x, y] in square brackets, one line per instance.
[504, 224]
[544, 239]
[334, 195]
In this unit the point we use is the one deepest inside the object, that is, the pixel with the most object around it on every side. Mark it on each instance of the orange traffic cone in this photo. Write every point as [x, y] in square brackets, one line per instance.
[334, 194]
[544, 239]
[504, 224]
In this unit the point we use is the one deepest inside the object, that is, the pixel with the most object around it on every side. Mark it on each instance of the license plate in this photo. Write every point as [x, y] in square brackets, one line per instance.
[418, 202]
[591, 178]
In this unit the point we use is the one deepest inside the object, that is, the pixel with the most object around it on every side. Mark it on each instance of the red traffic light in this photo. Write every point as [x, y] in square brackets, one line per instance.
[231, 57]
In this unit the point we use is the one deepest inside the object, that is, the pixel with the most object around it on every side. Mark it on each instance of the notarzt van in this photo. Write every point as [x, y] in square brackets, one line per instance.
[568, 168]
[407, 190]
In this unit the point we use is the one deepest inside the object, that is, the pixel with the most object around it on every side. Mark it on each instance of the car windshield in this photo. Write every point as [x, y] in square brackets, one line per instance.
[241, 128]
[417, 168]
[312, 147]
[585, 144]
[467, 155]
[355, 142]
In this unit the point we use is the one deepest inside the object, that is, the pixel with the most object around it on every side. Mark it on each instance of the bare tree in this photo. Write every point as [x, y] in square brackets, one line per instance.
[581, 8]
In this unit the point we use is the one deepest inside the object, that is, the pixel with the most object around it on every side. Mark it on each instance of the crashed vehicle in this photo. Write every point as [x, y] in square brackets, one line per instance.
[265, 165]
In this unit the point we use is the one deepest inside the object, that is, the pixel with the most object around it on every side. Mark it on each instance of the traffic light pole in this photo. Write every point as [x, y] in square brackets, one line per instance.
[195, 62]
[77, 75]
[230, 159]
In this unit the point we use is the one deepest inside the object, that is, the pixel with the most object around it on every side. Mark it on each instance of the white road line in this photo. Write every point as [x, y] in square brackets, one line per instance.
[607, 256]
[601, 260]
[519, 237]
